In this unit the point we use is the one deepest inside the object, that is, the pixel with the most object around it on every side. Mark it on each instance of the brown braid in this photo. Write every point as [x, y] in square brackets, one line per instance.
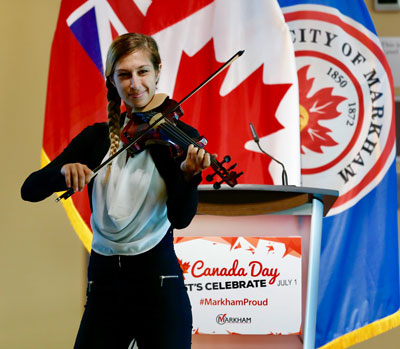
[114, 116]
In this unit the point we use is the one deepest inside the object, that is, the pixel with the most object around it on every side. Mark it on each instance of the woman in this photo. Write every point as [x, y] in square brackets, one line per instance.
[135, 284]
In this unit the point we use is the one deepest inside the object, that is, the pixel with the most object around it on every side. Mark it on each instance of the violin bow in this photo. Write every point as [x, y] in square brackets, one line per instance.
[160, 117]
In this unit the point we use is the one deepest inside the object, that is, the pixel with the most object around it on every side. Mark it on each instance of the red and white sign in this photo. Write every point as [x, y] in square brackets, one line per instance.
[241, 285]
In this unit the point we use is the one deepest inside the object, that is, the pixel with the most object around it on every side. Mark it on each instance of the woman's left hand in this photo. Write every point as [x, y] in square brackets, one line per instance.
[196, 161]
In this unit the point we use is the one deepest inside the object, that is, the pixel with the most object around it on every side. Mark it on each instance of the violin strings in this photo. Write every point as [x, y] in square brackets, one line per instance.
[182, 136]
[179, 135]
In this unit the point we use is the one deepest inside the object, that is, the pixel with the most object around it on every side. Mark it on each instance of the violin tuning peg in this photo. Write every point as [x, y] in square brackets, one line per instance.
[209, 177]
[227, 158]
[217, 185]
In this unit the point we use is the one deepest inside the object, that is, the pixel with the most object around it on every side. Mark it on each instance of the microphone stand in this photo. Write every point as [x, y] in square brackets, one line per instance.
[257, 140]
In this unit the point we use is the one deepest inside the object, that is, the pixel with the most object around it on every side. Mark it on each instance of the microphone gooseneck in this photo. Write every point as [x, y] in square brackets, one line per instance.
[257, 140]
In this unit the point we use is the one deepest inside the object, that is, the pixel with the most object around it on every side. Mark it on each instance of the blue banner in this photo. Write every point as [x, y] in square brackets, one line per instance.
[348, 144]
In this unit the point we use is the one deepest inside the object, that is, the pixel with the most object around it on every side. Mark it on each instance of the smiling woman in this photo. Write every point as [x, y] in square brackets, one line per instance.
[135, 283]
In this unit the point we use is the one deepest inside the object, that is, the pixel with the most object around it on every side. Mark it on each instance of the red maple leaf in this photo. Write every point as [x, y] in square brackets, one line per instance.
[320, 106]
[184, 266]
[224, 120]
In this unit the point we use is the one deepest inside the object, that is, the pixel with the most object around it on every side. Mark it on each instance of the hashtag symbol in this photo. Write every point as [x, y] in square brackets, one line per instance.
[202, 301]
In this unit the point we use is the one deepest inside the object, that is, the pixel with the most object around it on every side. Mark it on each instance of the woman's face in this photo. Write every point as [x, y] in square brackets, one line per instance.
[135, 80]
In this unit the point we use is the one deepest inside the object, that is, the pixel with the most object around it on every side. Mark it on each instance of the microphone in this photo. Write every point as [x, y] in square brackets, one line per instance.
[257, 140]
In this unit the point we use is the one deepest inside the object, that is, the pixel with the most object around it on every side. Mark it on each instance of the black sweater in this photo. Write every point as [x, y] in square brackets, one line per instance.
[91, 146]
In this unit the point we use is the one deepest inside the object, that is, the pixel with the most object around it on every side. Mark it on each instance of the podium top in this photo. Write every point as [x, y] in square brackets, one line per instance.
[249, 199]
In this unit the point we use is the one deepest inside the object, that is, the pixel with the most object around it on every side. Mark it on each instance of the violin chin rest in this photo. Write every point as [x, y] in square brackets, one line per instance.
[154, 119]
[156, 101]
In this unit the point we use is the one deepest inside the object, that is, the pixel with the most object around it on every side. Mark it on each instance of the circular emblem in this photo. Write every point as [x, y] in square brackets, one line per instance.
[221, 319]
[346, 103]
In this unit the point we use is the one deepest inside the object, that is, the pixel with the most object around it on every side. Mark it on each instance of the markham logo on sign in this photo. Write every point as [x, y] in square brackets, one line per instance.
[346, 103]
[223, 319]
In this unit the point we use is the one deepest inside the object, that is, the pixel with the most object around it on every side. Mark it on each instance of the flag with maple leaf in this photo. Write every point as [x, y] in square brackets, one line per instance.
[347, 121]
[195, 38]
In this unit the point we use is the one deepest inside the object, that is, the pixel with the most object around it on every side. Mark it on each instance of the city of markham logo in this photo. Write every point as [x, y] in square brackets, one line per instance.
[346, 103]
[223, 319]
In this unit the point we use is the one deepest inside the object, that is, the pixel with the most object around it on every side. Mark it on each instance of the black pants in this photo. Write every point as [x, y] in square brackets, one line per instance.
[141, 297]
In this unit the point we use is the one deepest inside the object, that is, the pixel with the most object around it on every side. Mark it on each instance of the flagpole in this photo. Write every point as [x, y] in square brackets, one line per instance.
[310, 321]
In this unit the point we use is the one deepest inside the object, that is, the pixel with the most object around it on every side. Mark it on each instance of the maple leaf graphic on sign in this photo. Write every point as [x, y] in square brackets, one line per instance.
[184, 266]
[224, 120]
[322, 105]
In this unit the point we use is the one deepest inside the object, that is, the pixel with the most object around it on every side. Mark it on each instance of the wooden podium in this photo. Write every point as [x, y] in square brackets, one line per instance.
[261, 200]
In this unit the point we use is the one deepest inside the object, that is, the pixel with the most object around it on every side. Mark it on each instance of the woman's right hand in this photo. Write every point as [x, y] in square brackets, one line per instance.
[76, 175]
